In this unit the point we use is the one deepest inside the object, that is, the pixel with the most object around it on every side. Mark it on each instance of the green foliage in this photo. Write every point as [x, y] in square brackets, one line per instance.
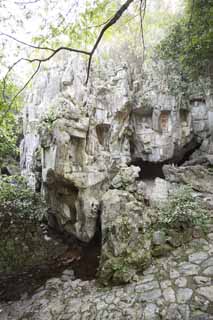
[46, 122]
[83, 32]
[182, 211]
[9, 122]
[190, 41]
[18, 201]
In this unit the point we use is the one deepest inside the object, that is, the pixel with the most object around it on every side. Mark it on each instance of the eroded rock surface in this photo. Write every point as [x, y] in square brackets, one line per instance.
[76, 138]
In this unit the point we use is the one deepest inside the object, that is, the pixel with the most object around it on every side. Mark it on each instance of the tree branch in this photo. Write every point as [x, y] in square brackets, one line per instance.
[26, 2]
[142, 14]
[110, 23]
[107, 25]
[24, 43]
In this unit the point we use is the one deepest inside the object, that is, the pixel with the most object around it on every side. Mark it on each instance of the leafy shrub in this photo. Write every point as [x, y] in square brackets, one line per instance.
[18, 200]
[46, 122]
[9, 128]
[189, 42]
[183, 211]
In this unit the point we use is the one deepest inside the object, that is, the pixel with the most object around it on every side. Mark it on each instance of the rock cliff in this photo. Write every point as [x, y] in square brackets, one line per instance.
[77, 138]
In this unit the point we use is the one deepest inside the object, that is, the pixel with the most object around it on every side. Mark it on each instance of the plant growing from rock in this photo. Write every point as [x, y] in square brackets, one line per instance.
[47, 120]
[183, 211]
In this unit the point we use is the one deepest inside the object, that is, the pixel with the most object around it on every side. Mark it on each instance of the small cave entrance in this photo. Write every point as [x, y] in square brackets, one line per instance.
[150, 170]
[87, 267]
[83, 258]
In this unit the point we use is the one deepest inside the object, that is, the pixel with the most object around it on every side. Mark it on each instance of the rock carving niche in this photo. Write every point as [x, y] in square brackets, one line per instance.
[184, 117]
[165, 121]
[102, 131]
[76, 152]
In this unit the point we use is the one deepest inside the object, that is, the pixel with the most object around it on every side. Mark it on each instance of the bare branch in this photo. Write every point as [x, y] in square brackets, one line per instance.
[40, 61]
[24, 43]
[19, 92]
[191, 15]
[26, 2]
[142, 14]
[111, 22]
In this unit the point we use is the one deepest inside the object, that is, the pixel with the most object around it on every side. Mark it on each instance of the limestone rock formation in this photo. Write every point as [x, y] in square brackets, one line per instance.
[77, 138]
[125, 245]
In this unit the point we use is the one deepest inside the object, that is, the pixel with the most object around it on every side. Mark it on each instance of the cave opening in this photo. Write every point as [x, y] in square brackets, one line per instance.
[86, 255]
[83, 258]
[151, 170]
[87, 267]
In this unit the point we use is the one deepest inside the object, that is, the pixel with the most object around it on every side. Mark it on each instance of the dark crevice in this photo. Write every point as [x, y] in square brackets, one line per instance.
[187, 151]
[82, 258]
[149, 170]
[86, 267]
[152, 170]
[182, 155]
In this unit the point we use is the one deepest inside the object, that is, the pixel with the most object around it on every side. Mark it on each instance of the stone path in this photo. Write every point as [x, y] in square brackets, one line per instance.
[179, 287]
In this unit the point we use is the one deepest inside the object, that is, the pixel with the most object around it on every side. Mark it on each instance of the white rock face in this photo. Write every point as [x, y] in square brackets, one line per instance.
[77, 137]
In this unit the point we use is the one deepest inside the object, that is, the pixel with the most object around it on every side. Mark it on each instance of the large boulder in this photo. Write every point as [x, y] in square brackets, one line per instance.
[125, 243]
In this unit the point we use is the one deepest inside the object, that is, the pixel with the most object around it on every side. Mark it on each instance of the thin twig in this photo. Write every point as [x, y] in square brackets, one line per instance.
[19, 92]
[27, 2]
[111, 22]
[24, 43]
[141, 26]
[191, 15]
[107, 25]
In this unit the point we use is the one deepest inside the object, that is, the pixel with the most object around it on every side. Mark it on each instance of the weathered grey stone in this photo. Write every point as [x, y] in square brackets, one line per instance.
[207, 292]
[169, 295]
[188, 175]
[174, 274]
[198, 257]
[158, 193]
[172, 313]
[150, 270]
[165, 284]
[201, 303]
[151, 312]
[147, 286]
[184, 295]
[208, 271]
[148, 278]
[207, 263]
[181, 282]
[201, 316]
[150, 296]
[188, 269]
[199, 280]
[184, 311]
